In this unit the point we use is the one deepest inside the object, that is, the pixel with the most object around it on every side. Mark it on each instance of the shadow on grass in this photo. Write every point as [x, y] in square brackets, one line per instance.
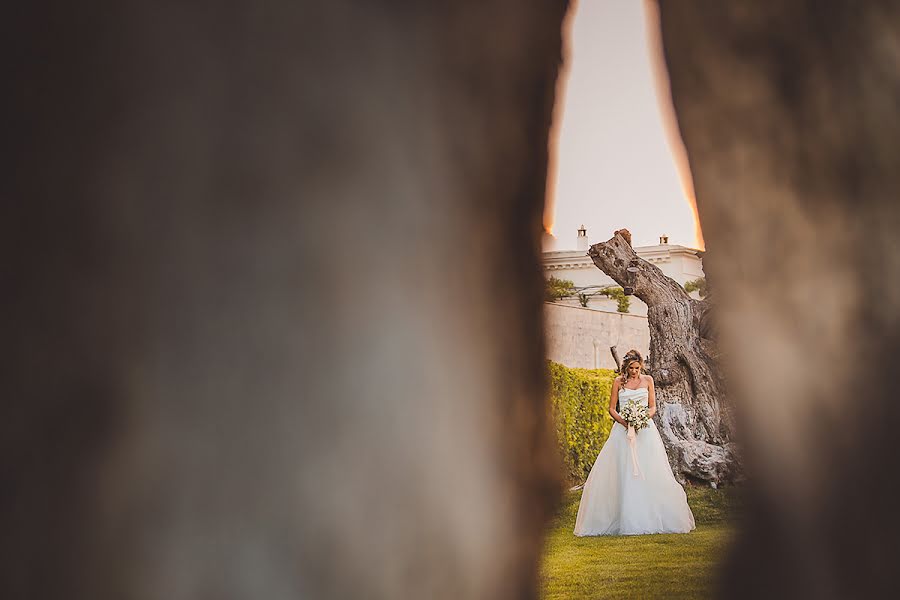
[641, 566]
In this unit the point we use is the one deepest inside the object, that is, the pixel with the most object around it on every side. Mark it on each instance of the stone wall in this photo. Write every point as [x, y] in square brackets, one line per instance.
[581, 337]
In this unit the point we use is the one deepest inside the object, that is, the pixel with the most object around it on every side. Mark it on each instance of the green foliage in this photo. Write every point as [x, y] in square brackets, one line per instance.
[558, 288]
[580, 402]
[618, 294]
[698, 285]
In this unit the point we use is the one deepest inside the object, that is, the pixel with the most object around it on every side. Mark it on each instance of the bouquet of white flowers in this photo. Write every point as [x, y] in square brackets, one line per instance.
[636, 414]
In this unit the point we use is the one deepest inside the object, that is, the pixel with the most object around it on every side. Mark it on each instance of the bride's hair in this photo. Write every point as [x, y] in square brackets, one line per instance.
[630, 356]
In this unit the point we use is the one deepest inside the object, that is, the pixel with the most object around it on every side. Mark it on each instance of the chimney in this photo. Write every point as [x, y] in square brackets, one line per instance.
[581, 242]
[663, 239]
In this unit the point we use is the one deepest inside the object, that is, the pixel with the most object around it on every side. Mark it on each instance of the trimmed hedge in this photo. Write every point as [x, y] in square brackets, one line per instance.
[580, 403]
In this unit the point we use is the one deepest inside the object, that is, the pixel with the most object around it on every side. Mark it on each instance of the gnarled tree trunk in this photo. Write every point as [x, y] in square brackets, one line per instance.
[693, 418]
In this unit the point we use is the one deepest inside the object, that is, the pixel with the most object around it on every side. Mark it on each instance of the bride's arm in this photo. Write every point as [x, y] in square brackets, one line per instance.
[613, 394]
[651, 393]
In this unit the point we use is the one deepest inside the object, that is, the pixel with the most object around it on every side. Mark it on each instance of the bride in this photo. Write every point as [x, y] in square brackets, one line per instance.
[631, 489]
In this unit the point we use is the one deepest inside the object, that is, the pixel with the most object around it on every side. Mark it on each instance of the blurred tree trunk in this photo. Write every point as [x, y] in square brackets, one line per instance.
[788, 111]
[198, 401]
[693, 415]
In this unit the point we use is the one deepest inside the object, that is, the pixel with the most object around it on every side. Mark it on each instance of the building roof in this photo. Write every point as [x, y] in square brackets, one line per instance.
[578, 259]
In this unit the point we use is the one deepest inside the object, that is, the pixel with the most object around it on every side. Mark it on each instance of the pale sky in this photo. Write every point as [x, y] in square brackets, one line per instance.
[614, 161]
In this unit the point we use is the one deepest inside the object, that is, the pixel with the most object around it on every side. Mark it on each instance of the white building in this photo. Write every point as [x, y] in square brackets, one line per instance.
[581, 336]
[678, 262]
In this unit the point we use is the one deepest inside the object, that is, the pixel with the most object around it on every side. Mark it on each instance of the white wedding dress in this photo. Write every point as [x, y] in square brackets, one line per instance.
[616, 502]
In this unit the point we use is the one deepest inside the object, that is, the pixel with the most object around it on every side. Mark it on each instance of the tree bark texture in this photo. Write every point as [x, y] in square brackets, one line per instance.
[693, 416]
[197, 405]
[789, 114]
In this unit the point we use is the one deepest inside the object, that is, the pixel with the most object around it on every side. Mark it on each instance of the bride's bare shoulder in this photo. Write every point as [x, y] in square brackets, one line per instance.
[647, 378]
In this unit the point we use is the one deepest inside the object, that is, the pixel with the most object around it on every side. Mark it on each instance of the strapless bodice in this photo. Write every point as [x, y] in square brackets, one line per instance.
[640, 395]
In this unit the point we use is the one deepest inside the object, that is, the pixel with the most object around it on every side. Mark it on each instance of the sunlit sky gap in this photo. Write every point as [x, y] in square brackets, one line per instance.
[616, 156]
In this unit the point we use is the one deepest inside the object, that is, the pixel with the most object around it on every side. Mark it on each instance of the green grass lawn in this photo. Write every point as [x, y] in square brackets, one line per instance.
[639, 566]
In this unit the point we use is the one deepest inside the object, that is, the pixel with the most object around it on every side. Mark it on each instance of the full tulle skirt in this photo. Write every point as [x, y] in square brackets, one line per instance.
[615, 502]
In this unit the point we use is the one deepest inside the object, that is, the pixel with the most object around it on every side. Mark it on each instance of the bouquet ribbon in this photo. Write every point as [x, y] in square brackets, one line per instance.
[632, 437]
